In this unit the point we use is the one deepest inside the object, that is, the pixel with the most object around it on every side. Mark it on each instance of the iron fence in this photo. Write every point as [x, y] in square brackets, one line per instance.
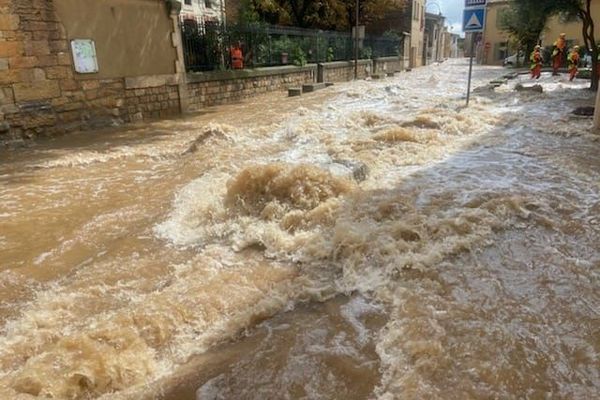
[209, 48]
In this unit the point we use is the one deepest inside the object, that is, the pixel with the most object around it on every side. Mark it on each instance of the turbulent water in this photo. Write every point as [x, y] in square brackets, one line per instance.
[375, 240]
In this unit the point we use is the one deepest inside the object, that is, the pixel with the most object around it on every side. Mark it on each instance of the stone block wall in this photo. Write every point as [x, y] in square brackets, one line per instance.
[213, 88]
[388, 64]
[42, 95]
[151, 102]
[342, 71]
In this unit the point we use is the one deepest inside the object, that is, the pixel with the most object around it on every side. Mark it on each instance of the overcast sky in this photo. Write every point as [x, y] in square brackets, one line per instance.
[451, 9]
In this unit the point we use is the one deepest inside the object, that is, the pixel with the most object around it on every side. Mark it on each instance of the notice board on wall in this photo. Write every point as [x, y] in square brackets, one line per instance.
[84, 56]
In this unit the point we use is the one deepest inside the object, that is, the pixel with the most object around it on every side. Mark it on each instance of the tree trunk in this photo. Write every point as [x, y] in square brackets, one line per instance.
[597, 112]
[590, 42]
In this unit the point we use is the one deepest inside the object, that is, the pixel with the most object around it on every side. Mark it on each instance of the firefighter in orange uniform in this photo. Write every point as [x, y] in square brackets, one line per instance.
[536, 62]
[573, 62]
[237, 57]
[558, 54]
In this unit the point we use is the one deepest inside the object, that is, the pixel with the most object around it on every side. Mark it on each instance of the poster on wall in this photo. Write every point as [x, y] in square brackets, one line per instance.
[84, 56]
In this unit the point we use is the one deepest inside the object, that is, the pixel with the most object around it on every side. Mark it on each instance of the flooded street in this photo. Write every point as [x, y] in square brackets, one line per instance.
[374, 240]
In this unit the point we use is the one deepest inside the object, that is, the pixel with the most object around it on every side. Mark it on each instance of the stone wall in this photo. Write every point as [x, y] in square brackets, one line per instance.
[342, 71]
[212, 88]
[388, 64]
[40, 92]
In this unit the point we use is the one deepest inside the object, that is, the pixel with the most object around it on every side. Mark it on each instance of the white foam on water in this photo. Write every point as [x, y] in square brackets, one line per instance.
[461, 214]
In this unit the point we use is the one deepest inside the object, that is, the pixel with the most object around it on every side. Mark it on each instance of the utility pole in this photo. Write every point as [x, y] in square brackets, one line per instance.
[356, 43]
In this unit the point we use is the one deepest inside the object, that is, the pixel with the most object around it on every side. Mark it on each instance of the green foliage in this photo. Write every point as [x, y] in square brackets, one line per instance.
[393, 37]
[524, 21]
[293, 47]
[282, 45]
[298, 56]
[317, 14]
[366, 52]
[330, 54]
[342, 48]
[248, 13]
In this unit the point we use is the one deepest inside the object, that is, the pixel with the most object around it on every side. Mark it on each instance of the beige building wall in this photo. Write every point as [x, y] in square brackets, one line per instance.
[41, 92]
[573, 29]
[494, 48]
[417, 33]
[132, 37]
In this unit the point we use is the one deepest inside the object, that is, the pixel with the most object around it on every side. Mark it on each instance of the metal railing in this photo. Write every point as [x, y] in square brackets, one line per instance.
[209, 48]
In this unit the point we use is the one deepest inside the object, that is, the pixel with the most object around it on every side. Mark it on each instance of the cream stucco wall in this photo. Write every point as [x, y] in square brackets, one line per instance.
[556, 26]
[132, 37]
[417, 33]
[494, 40]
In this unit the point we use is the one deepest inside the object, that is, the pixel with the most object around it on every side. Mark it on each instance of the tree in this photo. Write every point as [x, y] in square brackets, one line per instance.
[525, 20]
[320, 14]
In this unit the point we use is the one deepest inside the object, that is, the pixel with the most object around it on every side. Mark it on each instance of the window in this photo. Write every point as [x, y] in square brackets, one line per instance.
[208, 3]
[188, 2]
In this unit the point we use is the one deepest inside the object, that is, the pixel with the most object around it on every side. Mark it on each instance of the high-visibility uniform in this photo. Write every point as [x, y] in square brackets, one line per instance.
[237, 58]
[536, 64]
[558, 54]
[573, 63]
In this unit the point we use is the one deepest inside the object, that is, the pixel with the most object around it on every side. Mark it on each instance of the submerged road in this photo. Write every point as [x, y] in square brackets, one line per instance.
[371, 240]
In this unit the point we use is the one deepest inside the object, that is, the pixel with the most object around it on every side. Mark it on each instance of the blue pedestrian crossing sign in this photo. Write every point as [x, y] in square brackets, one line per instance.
[474, 19]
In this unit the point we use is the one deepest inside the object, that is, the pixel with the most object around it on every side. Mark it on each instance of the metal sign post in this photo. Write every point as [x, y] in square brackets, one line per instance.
[470, 69]
[473, 22]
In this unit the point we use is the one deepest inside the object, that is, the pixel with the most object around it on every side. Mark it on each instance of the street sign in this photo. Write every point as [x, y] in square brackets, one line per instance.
[475, 3]
[474, 19]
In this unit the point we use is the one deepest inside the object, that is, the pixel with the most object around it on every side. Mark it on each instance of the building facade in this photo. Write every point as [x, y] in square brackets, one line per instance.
[434, 37]
[452, 45]
[410, 22]
[417, 33]
[203, 12]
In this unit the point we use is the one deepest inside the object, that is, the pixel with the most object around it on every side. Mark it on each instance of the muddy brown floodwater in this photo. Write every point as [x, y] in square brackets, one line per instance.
[374, 240]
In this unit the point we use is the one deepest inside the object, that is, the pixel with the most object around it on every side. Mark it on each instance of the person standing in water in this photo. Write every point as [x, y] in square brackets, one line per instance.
[558, 54]
[573, 62]
[536, 62]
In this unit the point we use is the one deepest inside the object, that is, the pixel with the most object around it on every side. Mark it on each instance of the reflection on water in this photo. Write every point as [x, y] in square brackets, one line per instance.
[374, 240]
